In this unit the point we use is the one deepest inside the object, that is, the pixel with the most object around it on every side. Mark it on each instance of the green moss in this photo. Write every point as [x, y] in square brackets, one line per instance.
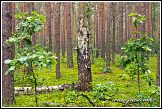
[127, 87]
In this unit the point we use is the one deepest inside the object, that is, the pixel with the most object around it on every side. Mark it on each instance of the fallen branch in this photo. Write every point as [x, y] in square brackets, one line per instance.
[85, 96]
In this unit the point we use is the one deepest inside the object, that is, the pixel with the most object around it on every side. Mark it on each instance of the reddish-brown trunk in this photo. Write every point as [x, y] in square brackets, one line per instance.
[7, 80]
[108, 37]
[69, 38]
[57, 35]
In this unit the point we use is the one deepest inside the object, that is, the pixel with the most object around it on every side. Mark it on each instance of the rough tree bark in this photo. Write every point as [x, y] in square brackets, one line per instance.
[57, 35]
[49, 25]
[158, 66]
[158, 59]
[143, 12]
[83, 57]
[7, 80]
[126, 33]
[113, 36]
[129, 21]
[102, 32]
[96, 29]
[64, 30]
[69, 38]
[108, 37]
[121, 25]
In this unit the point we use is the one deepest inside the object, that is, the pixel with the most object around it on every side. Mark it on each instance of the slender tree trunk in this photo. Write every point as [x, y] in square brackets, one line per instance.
[64, 30]
[121, 25]
[158, 66]
[113, 36]
[84, 65]
[143, 11]
[153, 24]
[69, 38]
[139, 12]
[129, 22]
[49, 25]
[108, 37]
[96, 29]
[102, 32]
[158, 59]
[54, 38]
[57, 35]
[7, 80]
[126, 33]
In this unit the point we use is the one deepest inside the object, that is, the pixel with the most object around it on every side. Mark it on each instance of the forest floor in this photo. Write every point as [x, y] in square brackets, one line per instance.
[127, 87]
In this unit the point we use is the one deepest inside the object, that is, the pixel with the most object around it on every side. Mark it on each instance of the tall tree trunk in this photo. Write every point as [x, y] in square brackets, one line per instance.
[64, 30]
[143, 12]
[57, 35]
[54, 38]
[126, 34]
[7, 80]
[129, 21]
[158, 65]
[49, 25]
[102, 32]
[139, 12]
[108, 37]
[83, 57]
[113, 36]
[69, 38]
[158, 59]
[153, 24]
[96, 28]
[121, 25]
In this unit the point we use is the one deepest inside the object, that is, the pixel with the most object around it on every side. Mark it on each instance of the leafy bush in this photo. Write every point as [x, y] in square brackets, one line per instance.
[107, 70]
[104, 91]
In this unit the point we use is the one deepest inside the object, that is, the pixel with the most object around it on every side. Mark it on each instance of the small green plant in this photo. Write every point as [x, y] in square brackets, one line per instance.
[30, 55]
[107, 70]
[135, 54]
[104, 91]
[71, 97]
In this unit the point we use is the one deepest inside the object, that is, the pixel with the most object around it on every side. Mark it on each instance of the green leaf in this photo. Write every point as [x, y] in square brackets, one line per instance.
[12, 39]
[9, 70]
[37, 28]
[34, 12]
[8, 61]
[44, 65]
[22, 59]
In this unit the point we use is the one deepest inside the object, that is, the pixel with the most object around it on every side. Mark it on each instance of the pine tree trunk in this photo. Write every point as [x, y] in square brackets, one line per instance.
[96, 29]
[126, 33]
[64, 30]
[102, 32]
[158, 59]
[7, 80]
[113, 36]
[83, 57]
[69, 38]
[121, 25]
[129, 22]
[143, 12]
[158, 66]
[49, 25]
[108, 37]
[57, 35]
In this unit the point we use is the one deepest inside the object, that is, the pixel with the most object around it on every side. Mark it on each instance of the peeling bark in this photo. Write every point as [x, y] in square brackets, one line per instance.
[84, 65]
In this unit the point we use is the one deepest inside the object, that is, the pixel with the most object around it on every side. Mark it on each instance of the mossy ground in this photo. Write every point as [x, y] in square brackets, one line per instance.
[127, 87]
